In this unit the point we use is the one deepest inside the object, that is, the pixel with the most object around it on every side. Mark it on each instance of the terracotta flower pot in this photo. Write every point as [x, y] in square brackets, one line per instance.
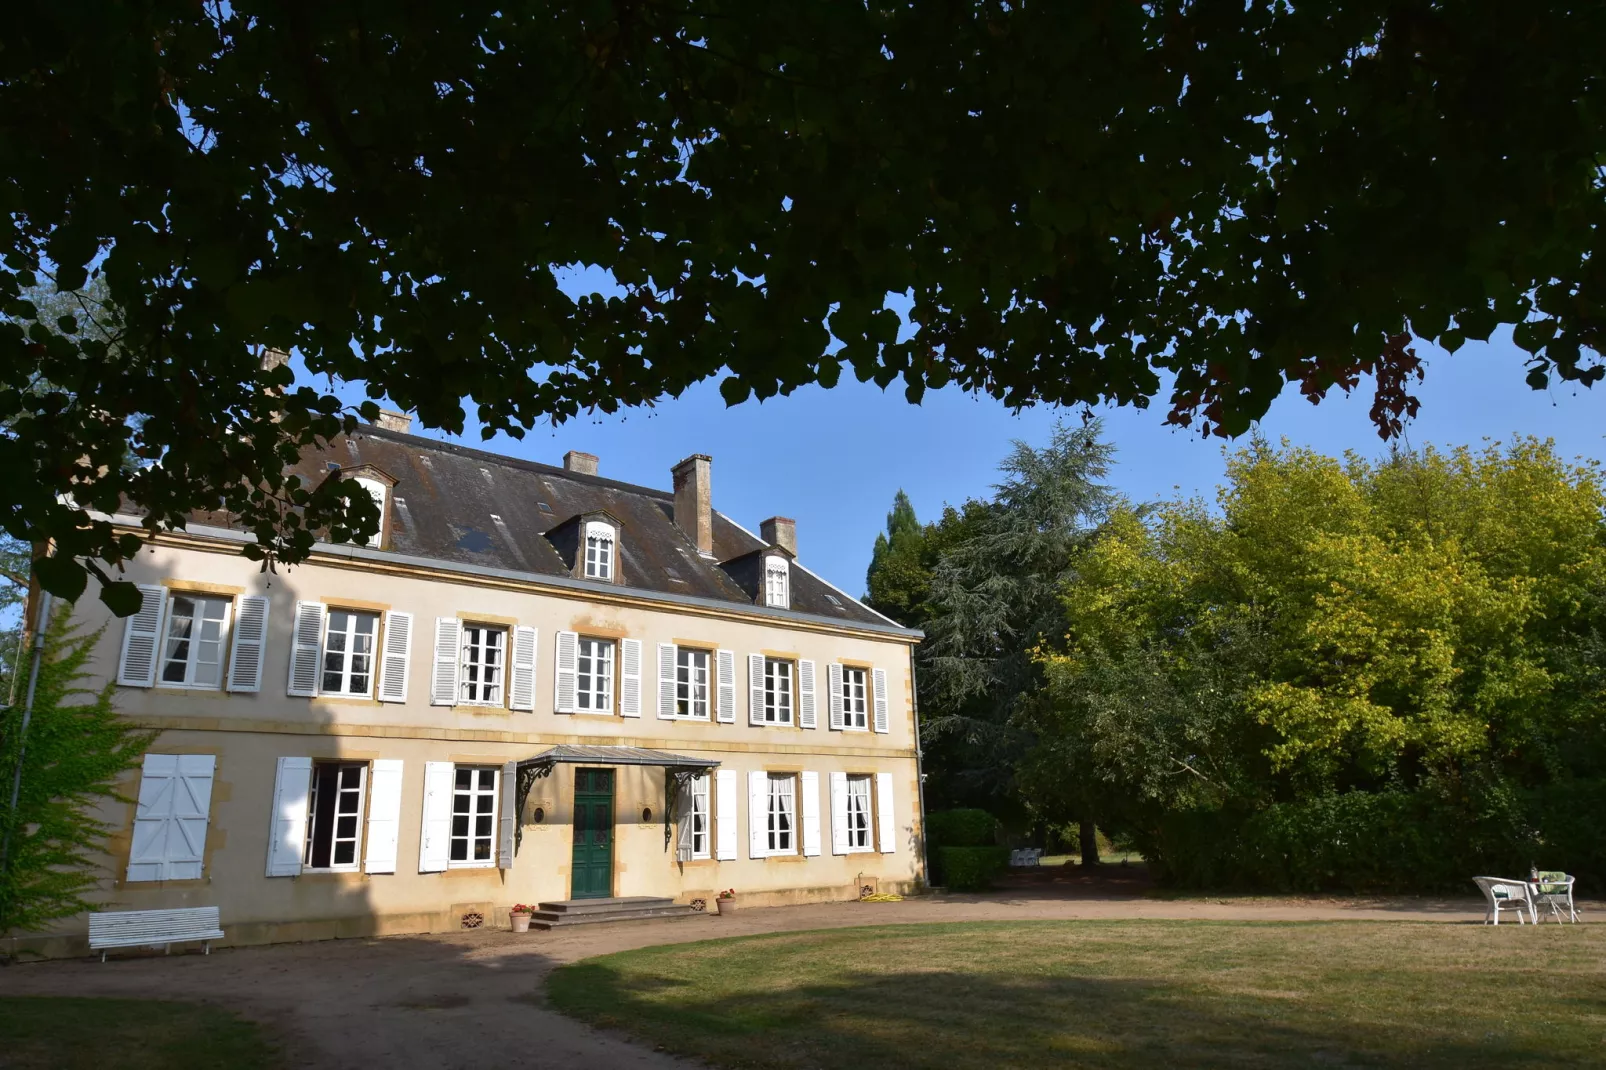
[521, 922]
[727, 907]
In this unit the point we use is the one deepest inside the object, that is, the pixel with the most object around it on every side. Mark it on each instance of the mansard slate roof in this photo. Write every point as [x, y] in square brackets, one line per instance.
[454, 503]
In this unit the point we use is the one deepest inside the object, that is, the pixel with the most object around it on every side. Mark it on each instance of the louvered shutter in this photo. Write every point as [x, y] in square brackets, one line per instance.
[304, 653]
[170, 820]
[666, 681]
[758, 814]
[397, 653]
[887, 826]
[287, 830]
[725, 814]
[805, 695]
[725, 698]
[521, 670]
[755, 689]
[384, 814]
[142, 640]
[443, 688]
[809, 784]
[833, 676]
[147, 853]
[435, 833]
[250, 640]
[878, 680]
[839, 813]
[630, 677]
[566, 673]
[507, 815]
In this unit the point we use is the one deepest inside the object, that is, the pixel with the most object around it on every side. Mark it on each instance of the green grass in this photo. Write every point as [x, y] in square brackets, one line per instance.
[1125, 993]
[126, 1034]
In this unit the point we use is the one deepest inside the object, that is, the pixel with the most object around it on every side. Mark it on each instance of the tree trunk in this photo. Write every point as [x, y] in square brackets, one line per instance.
[1090, 842]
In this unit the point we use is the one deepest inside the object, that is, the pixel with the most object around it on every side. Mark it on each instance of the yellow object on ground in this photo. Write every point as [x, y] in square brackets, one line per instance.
[884, 897]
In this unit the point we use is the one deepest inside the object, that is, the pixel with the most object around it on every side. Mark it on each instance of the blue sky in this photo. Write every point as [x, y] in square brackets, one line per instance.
[832, 459]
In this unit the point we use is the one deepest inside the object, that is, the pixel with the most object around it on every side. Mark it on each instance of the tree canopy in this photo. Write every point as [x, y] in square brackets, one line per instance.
[1078, 203]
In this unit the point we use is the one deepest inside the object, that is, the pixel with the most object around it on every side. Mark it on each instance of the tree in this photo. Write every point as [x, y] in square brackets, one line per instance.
[1081, 203]
[899, 576]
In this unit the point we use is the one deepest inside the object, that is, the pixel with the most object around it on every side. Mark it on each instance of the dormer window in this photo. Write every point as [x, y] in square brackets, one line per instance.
[599, 551]
[777, 586]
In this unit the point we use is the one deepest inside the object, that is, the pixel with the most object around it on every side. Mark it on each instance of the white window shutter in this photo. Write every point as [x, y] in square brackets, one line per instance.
[147, 854]
[666, 681]
[521, 669]
[755, 689]
[287, 831]
[834, 681]
[250, 640]
[809, 784]
[170, 822]
[507, 815]
[393, 667]
[758, 814]
[435, 834]
[878, 680]
[725, 706]
[142, 640]
[448, 658]
[887, 825]
[566, 673]
[683, 821]
[630, 677]
[805, 694]
[304, 653]
[725, 814]
[839, 813]
[384, 814]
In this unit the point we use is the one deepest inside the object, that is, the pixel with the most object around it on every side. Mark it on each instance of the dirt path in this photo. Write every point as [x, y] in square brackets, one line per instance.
[475, 999]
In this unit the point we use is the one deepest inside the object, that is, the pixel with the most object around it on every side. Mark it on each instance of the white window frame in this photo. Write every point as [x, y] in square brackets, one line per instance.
[777, 583]
[191, 661]
[359, 818]
[346, 656]
[702, 823]
[866, 781]
[773, 694]
[599, 697]
[598, 549]
[781, 803]
[466, 646]
[693, 682]
[855, 699]
[475, 792]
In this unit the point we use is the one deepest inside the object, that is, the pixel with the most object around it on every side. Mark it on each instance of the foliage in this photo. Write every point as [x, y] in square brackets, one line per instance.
[75, 751]
[961, 828]
[1080, 203]
[898, 580]
[970, 869]
[70, 1033]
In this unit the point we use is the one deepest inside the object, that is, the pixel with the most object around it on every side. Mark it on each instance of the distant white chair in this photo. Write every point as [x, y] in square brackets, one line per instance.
[1505, 894]
[1026, 856]
[1552, 890]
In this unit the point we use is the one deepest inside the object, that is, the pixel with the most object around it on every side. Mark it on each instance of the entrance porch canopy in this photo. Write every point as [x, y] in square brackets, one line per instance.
[678, 769]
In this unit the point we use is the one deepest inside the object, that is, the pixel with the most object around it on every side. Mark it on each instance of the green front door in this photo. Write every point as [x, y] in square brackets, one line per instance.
[592, 874]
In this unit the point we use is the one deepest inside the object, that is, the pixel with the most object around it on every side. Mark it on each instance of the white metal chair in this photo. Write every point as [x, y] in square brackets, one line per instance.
[1553, 890]
[1502, 893]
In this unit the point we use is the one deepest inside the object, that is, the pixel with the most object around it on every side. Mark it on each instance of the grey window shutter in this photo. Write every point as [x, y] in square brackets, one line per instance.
[397, 651]
[435, 833]
[834, 681]
[384, 814]
[508, 815]
[878, 680]
[287, 834]
[448, 660]
[725, 665]
[887, 824]
[666, 681]
[521, 669]
[839, 813]
[142, 639]
[305, 638]
[249, 642]
[755, 689]
[758, 814]
[805, 694]
[630, 677]
[725, 821]
[808, 782]
[566, 673]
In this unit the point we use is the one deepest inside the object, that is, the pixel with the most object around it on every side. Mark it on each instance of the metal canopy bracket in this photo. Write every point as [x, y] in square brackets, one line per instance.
[678, 770]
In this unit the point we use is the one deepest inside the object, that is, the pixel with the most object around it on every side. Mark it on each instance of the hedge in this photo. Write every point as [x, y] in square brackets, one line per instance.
[971, 869]
[956, 828]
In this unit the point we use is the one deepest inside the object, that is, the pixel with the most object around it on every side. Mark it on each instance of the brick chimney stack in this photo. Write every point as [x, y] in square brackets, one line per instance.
[780, 531]
[584, 463]
[390, 420]
[694, 507]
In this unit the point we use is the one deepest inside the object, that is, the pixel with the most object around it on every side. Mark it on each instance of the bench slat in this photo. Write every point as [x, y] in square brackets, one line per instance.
[130, 928]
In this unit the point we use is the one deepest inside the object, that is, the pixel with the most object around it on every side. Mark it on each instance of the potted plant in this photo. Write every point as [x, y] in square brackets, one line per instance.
[727, 902]
[520, 917]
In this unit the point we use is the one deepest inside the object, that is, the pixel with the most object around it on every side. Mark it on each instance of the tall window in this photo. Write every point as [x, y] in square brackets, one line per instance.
[691, 683]
[699, 817]
[594, 682]
[777, 691]
[334, 815]
[859, 813]
[484, 665]
[599, 552]
[193, 653]
[474, 817]
[348, 653]
[853, 698]
[782, 801]
[775, 583]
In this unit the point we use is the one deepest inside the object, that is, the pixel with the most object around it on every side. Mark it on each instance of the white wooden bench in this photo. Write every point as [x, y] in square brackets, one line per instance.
[152, 928]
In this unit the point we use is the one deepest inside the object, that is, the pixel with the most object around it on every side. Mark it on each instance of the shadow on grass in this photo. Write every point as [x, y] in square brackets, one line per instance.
[67, 1033]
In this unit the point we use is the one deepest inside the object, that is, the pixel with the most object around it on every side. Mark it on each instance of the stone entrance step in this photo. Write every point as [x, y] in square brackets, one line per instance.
[567, 912]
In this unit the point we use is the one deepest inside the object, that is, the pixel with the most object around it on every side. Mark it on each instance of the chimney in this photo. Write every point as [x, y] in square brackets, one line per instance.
[394, 421]
[780, 531]
[584, 463]
[694, 509]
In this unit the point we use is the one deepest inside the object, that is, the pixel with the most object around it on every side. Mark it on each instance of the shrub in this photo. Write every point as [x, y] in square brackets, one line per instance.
[971, 869]
[962, 828]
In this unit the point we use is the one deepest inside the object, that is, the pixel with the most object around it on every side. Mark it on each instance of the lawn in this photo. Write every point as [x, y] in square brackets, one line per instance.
[125, 1034]
[1084, 993]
